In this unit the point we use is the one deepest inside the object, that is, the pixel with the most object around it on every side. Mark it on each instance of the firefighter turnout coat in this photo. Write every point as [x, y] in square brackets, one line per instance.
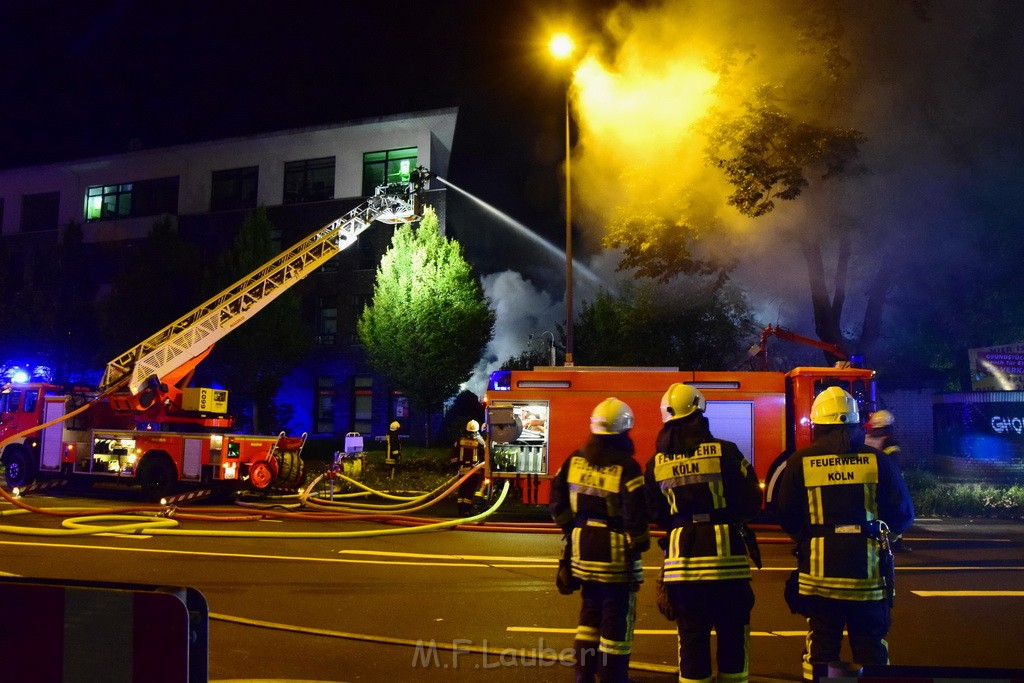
[701, 490]
[597, 499]
[831, 494]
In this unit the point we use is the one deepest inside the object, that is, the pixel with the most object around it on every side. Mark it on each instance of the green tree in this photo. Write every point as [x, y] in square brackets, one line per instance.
[429, 321]
[253, 359]
[691, 323]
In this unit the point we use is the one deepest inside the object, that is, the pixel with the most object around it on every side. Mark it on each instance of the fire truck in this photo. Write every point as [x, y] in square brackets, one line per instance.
[145, 425]
[537, 418]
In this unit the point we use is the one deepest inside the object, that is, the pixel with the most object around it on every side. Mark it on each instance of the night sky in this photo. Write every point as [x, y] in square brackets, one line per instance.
[940, 101]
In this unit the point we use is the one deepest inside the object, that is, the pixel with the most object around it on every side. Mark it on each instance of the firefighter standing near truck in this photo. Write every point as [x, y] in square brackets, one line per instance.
[702, 491]
[840, 501]
[468, 452]
[597, 499]
[392, 447]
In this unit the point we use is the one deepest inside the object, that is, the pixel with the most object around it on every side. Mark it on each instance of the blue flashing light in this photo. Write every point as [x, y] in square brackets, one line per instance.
[20, 377]
[501, 380]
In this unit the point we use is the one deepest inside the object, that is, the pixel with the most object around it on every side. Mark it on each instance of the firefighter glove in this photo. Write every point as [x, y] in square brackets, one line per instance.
[566, 583]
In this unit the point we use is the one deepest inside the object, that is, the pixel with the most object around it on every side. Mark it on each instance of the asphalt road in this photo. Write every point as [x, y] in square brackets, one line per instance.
[480, 605]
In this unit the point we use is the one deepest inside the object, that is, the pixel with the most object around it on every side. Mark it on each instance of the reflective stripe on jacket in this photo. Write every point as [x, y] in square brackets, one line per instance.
[601, 506]
[700, 489]
[829, 493]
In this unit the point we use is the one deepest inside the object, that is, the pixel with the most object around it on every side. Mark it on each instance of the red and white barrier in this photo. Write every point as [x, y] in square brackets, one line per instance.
[55, 632]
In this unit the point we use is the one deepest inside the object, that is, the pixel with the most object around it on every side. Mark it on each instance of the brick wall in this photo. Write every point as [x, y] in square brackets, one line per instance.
[914, 424]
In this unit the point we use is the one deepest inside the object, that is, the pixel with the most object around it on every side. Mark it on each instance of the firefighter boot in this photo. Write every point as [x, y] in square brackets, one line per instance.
[614, 669]
[587, 659]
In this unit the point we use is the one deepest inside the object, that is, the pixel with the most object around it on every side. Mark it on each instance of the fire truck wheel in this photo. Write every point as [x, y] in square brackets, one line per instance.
[157, 477]
[261, 475]
[18, 463]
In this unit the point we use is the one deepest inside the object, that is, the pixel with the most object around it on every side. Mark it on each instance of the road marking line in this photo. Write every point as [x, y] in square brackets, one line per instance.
[338, 560]
[290, 558]
[969, 594]
[485, 558]
[653, 632]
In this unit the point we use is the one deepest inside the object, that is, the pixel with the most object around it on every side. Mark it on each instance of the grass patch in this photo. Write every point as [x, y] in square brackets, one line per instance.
[935, 498]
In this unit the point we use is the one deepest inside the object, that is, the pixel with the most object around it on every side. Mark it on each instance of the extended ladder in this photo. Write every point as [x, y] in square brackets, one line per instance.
[194, 333]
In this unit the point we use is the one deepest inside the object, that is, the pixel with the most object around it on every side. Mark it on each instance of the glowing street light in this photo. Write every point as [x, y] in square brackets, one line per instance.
[562, 47]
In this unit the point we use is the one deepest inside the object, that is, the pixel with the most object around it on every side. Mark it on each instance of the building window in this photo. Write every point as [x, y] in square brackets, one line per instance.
[325, 405]
[390, 166]
[127, 200]
[400, 408]
[40, 211]
[326, 322]
[310, 180]
[362, 405]
[368, 255]
[234, 189]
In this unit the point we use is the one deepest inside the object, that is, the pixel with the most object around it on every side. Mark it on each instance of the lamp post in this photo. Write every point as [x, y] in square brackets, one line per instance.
[562, 47]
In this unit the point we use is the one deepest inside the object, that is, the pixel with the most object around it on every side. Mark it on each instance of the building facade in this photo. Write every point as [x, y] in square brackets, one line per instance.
[305, 178]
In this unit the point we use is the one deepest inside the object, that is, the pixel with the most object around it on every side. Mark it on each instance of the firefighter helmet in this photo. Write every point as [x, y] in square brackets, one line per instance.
[834, 407]
[611, 416]
[394, 426]
[681, 400]
[879, 419]
[472, 426]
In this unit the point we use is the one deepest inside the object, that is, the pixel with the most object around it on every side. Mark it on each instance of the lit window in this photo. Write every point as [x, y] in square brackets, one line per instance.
[389, 166]
[137, 198]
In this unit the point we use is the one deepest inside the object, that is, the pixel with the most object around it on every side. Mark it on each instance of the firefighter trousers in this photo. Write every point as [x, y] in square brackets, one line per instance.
[604, 637]
[722, 605]
[867, 623]
[468, 493]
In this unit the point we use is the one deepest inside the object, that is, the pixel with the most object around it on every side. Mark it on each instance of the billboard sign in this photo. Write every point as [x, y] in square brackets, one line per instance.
[997, 368]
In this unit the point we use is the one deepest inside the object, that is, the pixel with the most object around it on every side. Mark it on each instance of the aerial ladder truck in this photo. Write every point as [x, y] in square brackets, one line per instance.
[144, 424]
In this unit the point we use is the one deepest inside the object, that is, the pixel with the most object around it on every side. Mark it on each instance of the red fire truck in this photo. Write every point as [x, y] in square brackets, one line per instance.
[536, 418]
[145, 425]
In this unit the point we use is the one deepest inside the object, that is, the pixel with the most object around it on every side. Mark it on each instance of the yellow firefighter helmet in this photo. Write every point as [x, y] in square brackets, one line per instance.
[879, 419]
[681, 400]
[611, 416]
[472, 426]
[834, 407]
[394, 426]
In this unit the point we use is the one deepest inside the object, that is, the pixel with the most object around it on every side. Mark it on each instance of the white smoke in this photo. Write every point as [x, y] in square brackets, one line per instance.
[521, 309]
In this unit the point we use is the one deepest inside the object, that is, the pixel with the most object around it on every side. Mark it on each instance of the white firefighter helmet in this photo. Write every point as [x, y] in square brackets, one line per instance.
[834, 407]
[611, 416]
[472, 426]
[879, 419]
[394, 426]
[681, 400]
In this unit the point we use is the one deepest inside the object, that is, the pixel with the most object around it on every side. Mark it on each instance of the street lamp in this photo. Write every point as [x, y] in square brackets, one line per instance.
[562, 46]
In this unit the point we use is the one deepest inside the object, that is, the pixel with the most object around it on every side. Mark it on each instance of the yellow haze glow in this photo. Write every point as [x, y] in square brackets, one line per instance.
[644, 112]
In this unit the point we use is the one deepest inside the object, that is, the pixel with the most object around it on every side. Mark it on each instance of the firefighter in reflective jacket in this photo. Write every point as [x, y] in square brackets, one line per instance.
[839, 500]
[702, 491]
[597, 499]
[468, 452]
[392, 447]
